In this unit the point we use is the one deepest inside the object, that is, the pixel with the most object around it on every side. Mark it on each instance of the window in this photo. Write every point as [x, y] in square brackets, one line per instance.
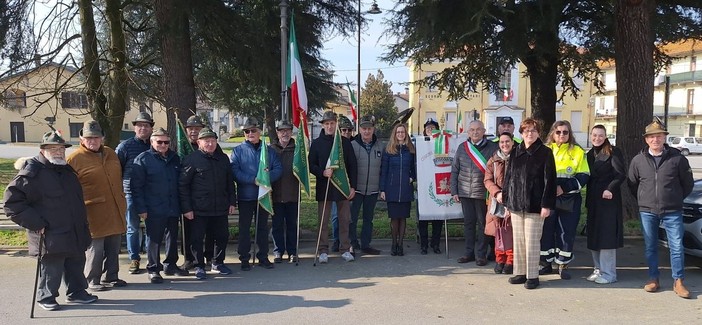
[73, 99]
[75, 129]
[505, 92]
[693, 63]
[690, 100]
[431, 78]
[15, 98]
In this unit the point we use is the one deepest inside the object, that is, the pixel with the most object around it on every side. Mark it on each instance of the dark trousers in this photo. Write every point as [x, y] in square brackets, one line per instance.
[474, 226]
[159, 230]
[285, 228]
[102, 256]
[559, 234]
[216, 227]
[209, 243]
[423, 227]
[368, 203]
[247, 213]
[55, 268]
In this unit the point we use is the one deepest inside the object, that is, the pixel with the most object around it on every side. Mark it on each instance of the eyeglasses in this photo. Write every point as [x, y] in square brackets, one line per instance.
[163, 142]
[530, 131]
[346, 130]
[565, 132]
[247, 131]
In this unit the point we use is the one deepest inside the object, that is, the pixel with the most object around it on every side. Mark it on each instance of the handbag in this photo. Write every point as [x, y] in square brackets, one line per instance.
[565, 203]
[497, 209]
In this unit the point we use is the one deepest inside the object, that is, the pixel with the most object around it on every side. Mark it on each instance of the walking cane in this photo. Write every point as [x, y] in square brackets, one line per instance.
[36, 276]
[297, 244]
[255, 233]
[446, 235]
[321, 223]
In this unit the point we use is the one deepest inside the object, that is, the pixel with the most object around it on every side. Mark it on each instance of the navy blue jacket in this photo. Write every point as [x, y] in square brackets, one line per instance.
[155, 184]
[245, 158]
[126, 152]
[397, 172]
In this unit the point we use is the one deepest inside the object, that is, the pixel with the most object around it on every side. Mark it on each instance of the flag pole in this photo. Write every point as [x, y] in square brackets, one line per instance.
[299, 201]
[321, 223]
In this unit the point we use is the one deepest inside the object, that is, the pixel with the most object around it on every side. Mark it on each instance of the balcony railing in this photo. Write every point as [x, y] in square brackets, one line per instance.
[690, 76]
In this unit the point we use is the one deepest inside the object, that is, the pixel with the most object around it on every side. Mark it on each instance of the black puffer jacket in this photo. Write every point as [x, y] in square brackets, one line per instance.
[44, 195]
[530, 179]
[319, 154]
[660, 189]
[206, 184]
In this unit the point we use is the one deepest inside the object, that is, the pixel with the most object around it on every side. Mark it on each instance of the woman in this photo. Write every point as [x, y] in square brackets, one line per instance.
[423, 225]
[499, 226]
[604, 206]
[529, 193]
[573, 173]
[397, 172]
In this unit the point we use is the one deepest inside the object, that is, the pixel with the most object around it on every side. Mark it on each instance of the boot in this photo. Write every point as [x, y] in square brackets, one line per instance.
[545, 268]
[393, 251]
[400, 250]
[680, 290]
[563, 271]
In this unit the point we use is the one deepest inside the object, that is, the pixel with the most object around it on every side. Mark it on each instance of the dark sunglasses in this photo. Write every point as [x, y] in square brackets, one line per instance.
[563, 132]
[163, 142]
[247, 131]
[346, 130]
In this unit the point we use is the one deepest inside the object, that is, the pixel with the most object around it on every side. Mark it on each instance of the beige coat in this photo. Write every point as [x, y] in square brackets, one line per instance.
[100, 175]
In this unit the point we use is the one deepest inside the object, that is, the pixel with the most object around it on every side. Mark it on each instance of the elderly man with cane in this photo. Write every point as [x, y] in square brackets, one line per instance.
[46, 198]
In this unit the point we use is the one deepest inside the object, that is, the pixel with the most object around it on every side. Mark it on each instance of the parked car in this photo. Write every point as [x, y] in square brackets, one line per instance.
[687, 145]
[692, 220]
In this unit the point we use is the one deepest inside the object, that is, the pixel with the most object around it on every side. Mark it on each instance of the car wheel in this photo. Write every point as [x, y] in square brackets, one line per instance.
[685, 152]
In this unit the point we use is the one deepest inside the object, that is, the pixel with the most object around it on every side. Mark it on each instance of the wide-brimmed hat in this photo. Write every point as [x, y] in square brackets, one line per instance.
[53, 137]
[431, 121]
[194, 121]
[91, 129]
[367, 121]
[206, 133]
[328, 116]
[143, 117]
[654, 128]
[252, 123]
[507, 120]
[345, 122]
[160, 132]
[283, 125]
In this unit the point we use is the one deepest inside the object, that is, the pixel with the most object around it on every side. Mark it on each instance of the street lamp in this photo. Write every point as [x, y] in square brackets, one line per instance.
[374, 10]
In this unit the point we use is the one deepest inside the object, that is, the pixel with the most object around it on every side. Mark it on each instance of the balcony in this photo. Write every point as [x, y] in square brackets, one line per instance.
[683, 77]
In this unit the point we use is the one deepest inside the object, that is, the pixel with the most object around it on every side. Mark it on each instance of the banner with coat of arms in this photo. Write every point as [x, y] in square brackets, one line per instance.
[435, 154]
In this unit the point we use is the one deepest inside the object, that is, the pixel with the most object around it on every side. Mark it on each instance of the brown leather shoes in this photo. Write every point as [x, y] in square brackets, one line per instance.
[651, 285]
[680, 289]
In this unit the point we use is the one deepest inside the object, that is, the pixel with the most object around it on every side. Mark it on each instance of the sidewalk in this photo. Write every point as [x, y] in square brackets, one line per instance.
[412, 289]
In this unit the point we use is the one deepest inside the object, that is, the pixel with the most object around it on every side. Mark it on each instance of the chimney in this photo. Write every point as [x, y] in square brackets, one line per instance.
[406, 90]
[37, 60]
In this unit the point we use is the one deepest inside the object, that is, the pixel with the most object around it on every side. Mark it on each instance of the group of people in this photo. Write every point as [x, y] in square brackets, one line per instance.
[76, 208]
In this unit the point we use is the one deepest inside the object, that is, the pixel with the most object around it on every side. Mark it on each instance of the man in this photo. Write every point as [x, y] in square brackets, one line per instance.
[423, 225]
[506, 125]
[100, 176]
[368, 151]
[346, 129]
[154, 185]
[245, 159]
[193, 126]
[285, 197]
[467, 174]
[318, 156]
[661, 178]
[207, 198]
[126, 152]
[46, 198]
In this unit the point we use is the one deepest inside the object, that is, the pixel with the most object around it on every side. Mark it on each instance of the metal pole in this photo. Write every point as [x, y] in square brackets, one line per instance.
[358, 69]
[666, 102]
[283, 59]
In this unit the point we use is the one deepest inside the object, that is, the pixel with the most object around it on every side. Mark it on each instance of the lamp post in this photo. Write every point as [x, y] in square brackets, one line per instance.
[374, 10]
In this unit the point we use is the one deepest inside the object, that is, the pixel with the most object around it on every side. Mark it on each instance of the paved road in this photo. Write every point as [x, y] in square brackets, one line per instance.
[412, 289]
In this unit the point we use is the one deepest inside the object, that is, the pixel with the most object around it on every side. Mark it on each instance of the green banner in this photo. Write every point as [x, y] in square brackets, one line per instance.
[340, 177]
[263, 180]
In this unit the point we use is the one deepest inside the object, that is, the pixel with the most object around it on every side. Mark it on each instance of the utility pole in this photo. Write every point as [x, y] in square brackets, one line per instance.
[284, 60]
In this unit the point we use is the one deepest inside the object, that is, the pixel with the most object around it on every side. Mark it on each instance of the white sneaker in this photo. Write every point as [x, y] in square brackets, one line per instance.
[323, 258]
[601, 280]
[347, 257]
[595, 274]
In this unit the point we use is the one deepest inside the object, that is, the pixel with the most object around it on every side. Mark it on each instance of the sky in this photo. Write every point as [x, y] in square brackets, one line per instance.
[342, 52]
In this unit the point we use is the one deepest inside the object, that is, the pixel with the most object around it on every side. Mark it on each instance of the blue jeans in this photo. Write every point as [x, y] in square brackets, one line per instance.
[368, 202]
[673, 224]
[133, 230]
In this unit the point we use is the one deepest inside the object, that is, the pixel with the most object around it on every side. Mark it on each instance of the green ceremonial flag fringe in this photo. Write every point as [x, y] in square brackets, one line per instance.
[263, 180]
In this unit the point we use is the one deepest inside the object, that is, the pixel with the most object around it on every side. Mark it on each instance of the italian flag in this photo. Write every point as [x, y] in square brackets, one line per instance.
[460, 122]
[352, 102]
[296, 83]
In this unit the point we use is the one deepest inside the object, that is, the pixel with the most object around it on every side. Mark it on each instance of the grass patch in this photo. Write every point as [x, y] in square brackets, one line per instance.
[13, 238]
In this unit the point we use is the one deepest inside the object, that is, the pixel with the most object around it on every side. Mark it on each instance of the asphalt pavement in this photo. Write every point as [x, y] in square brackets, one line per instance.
[383, 289]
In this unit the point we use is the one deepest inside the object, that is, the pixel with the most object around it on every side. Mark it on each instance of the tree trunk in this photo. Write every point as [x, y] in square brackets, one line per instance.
[91, 64]
[113, 116]
[635, 74]
[543, 74]
[177, 67]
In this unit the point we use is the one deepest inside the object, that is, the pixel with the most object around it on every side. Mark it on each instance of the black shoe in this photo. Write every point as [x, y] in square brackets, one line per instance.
[531, 283]
[155, 277]
[423, 250]
[116, 283]
[517, 279]
[356, 245]
[481, 261]
[563, 272]
[370, 251]
[245, 266]
[265, 263]
[335, 246]
[509, 268]
[393, 252]
[277, 257]
[187, 265]
[174, 270]
[499, 268]
[81, 298]
[465, 259]
[436, 249]
[545, 268]
[400, 250]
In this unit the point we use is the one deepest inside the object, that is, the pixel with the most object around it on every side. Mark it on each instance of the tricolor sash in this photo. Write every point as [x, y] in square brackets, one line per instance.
[476, 156]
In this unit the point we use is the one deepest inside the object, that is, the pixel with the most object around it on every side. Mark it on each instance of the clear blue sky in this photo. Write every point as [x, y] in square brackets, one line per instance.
[342, 53]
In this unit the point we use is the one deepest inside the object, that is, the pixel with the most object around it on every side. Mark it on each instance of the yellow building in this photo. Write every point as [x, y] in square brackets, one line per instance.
[31, 101]
[514, 101]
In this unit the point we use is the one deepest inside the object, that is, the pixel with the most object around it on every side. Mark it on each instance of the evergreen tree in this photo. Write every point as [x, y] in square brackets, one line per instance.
[376, 99]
